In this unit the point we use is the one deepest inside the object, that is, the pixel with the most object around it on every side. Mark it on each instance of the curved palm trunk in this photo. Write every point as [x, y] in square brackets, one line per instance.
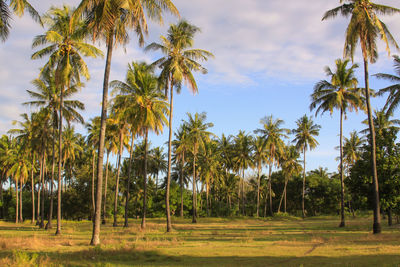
[58, 231]
[105, 191]
[143, 225]
[342, 221]
[194, 219]
[48, 225]
[258, 188]
[304, 183]
[97, 218]
[128, 181]
[377, 217]
[167, 209]
[93, 187]
[32, 187]
[115, 224]
[16, 201]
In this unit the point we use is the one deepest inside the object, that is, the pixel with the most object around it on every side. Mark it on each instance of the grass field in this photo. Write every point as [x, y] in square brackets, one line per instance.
[282, 241]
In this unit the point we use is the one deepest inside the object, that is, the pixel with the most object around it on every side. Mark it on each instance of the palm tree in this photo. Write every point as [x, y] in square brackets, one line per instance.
[340, 93]
[19, 7]
[260, 157]
[242, 160]
[393, 99]
[352, 148]
[197, 136]
[65, 37]
[365, 28]
[272, 133]
[290, 166]
[304, 140]
[177, 66]
[93, 129]
[111, 20]
[160, 162]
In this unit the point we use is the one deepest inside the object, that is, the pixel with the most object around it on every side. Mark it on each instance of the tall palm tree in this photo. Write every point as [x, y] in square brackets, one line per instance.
[340, 93]
[393, 99]
[93, 129]
[19, 7]
[272, 133]
[260, 157]
[242, 160]
[178, 65]
[111, 20]
[65, 37]
[197, 136]
[305, 139]
[366, 28]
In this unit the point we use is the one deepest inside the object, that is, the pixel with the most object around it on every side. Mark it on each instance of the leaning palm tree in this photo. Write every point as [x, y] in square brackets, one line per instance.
[197, 136]
[340, 93]
[65, 40]
[393, 99]
[178, 65]
[111, 20]
[366, 28]
[304, 140]
[19, 7]
[272, 133]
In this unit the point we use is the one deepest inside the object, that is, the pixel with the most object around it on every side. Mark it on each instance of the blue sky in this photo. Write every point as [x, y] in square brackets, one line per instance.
[269, 55]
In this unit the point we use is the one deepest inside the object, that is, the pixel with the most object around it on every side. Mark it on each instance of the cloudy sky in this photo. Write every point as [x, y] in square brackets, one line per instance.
[268, 56]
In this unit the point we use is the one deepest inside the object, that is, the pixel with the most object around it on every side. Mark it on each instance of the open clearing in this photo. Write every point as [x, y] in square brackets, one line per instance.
[212, 242]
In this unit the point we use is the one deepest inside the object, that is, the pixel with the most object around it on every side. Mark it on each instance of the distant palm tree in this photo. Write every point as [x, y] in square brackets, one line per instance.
[19, 7]
[272, 133]
[178, 64]
[260, 157]
[352, 149]
[366, 28]
[393, 99]
[304, 140]
[197, 136]
[111, 20]
[340, 93]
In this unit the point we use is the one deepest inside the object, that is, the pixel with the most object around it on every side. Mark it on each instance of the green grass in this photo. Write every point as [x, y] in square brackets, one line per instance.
[282, 241]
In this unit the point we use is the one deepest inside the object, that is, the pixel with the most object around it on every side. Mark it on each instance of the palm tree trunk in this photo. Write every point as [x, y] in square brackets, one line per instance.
[143, 225]
[93, 187]
[258, 188]
[194, 218]
[285, 199]
[283, 194]
[39, 191]
[43, 192]
[207, 206]
[171, 106]
[20, 202]
[115, 224]
[105, 191]
[271, 212]
[239, 185]
[377, 218]
[128, 183]
[181, 184]
[32, 187]
[342, 221]
[97, 219]
[304, 183]
[48, 225]
[58, 231]
[16, 200]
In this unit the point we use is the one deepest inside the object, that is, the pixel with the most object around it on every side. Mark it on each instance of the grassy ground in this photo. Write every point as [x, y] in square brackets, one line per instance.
[212, 242]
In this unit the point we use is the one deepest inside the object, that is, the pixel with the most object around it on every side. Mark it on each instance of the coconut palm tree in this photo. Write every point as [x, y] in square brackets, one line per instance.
[111, 21]
[305, 140]
[198, 136]
[242, 160]
[178, 65]
[260, 157]
[272, 133]
[160, 163]
[366, 28]
[352, 148]
[65, 37]
[19, 7]
[340, 93]
[393, 99]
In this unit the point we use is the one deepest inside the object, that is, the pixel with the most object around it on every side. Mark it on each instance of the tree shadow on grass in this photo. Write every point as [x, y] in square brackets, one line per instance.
[98, 256]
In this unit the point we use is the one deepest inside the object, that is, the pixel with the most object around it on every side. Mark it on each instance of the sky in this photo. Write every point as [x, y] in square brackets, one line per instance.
[268, 57]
